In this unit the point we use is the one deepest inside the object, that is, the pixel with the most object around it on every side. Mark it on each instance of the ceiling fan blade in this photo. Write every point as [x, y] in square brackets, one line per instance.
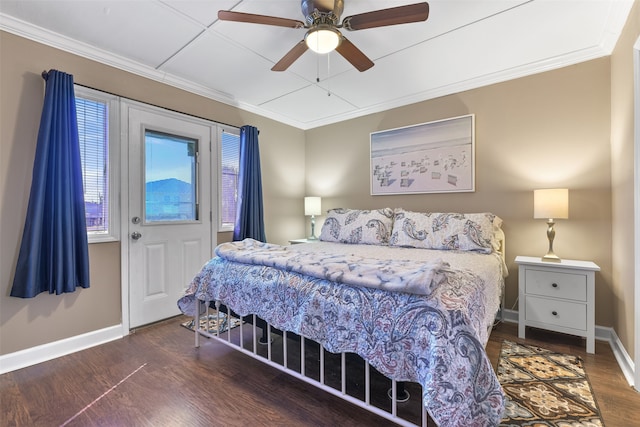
[351, 53]
[291, 56]
[228, 15]
[383, 17]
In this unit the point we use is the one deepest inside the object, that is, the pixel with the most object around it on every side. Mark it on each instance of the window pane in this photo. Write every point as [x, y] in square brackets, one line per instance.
[93, 136]
[230, 159]
[170, 178]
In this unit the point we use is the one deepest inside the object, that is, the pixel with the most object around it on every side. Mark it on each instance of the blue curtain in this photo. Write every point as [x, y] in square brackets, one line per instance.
[249, 214]
[54, 255]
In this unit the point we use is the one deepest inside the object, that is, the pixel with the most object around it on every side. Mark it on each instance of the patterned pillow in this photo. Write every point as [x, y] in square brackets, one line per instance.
[358, 226]
[476, 232]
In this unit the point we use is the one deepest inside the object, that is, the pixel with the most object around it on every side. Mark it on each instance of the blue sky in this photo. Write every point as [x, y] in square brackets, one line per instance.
[168, 157]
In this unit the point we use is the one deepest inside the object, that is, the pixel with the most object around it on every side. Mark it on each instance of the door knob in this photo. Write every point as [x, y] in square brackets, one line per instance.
[135, 235]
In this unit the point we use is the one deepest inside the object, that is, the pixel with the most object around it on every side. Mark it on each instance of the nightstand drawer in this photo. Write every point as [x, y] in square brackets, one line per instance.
[556, 285]
[559, 313]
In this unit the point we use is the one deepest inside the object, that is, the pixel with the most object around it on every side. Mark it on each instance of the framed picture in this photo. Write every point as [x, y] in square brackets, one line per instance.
[434, 157]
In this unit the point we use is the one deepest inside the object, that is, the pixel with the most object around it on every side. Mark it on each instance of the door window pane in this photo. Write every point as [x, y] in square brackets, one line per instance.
[170, 177]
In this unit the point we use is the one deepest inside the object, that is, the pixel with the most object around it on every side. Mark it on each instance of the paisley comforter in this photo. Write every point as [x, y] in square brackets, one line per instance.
[420, 315]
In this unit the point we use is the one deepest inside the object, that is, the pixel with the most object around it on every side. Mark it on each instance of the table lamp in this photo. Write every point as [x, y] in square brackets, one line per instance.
[312, 207]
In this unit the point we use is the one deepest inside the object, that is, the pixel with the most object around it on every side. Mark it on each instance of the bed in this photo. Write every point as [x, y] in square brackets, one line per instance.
[414, 294]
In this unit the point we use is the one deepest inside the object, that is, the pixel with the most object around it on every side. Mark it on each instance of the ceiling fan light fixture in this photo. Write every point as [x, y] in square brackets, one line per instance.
[322, 39]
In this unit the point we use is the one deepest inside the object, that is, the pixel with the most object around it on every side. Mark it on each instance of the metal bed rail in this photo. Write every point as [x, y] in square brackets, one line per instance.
[225, 337]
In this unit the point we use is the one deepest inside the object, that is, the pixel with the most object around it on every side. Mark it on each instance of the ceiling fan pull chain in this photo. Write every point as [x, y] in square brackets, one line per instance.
[329, 74]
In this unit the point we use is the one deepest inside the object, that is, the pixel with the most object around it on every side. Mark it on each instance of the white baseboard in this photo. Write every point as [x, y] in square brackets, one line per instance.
[624, 360]
[42, 353]
[602, 334]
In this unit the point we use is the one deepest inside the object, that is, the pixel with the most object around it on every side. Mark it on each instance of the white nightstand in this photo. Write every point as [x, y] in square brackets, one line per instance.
[558, 296]
[296, 241]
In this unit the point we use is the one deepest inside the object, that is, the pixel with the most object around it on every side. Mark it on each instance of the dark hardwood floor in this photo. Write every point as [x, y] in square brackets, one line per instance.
[155, 377]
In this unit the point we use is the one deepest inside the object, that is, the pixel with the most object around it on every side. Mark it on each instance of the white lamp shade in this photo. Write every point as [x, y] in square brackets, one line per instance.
[322, 40]
[551, 203]
[312, 205]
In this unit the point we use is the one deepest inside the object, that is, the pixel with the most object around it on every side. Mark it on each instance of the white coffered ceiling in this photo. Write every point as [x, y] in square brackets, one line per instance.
[463, 44]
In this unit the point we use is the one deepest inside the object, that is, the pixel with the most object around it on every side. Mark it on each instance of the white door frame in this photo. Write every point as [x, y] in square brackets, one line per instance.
[124, 217]
[636, 203]
[124, 196]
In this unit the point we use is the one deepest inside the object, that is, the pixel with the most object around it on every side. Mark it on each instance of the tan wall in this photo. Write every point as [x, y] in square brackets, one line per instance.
[622, 155]
[47, 318]
[546, 130]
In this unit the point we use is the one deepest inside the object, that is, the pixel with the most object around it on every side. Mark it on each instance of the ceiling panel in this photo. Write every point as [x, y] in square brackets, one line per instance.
[309, 104]
[133, 29]
[217, 63]
[204, 12]
[380, 42]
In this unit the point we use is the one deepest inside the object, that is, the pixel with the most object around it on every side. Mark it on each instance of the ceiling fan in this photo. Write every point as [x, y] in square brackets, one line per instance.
[322, 19]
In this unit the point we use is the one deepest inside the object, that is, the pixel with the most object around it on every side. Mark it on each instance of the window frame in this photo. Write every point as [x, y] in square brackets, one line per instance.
[113, 161]
[222, 227]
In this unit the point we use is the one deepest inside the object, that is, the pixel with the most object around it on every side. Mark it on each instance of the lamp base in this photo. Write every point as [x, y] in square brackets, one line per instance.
[313, 229]
[551, 258]
[551, 234]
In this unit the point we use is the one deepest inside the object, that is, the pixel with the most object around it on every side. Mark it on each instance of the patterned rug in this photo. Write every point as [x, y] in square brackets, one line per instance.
[545, 389]
[211, 322]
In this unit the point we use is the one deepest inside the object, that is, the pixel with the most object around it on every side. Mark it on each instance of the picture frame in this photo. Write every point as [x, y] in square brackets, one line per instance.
[432, 157]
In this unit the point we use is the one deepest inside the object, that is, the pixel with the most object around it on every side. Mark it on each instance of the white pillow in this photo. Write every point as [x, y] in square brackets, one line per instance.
[367, 227]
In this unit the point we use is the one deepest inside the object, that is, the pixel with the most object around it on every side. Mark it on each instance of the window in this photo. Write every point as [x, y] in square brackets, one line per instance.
[229, 168]
[97, 114]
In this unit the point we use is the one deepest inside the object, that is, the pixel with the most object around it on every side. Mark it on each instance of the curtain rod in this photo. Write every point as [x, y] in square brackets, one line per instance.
[160, 106]
[45, 76]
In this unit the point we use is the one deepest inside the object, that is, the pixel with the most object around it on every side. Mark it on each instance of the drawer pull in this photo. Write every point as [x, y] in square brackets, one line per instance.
[555, 313]
[555, 285]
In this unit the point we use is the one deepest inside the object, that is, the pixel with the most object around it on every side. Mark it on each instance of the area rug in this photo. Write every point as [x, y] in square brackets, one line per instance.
[544, 388]
[214, 322]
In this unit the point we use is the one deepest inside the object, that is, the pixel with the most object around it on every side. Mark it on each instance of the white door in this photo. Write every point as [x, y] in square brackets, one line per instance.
[169, 222]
